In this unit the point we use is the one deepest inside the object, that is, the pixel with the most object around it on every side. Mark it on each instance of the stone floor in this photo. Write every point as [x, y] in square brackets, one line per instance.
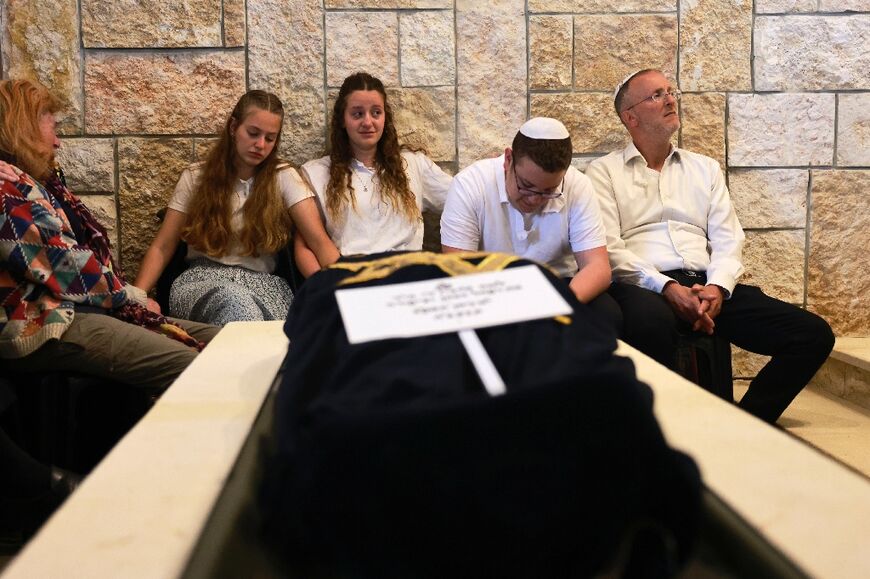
[832, 425]
[833, 413]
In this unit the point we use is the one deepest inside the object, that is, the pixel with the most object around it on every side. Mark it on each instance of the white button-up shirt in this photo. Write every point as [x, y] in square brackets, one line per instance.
[479, 217]
[681, 218]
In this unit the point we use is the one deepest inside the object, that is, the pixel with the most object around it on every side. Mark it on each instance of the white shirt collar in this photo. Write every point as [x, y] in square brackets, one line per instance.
[630, 152]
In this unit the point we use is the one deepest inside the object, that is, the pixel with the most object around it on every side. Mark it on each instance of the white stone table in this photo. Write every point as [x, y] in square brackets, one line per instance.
[142, 510]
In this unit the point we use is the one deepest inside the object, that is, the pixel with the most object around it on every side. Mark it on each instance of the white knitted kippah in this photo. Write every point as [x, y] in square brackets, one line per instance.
[544, 128]
[622, 83]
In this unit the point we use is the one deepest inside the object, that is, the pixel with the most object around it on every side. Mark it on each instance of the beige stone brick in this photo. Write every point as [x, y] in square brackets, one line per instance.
[234, 23]
[88, 164]
[550, 51]
[703, 124]
[492, 80]
[151, 23]
[426, 118]
[149, 169]
[589, 117]
[330, 4]
[857, 386]
[794, 53]
[746, 364]
[838, 284]
[428, 50]
[774, 261]
[715, 45]
[362, 41]
[780, 129]
[285, 45]
[581, 6]
[304, 125]
[766, 198]
[104, 210]
[853, 130]
[845, 381]
[784, 6]
[202, 147]
[600, 63]
[39, 41]
[844, 5]
[831, 377]
[162, 93]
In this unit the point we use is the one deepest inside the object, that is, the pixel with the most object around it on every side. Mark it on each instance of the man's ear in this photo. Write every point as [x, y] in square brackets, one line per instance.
[508, 157]
[628, 118]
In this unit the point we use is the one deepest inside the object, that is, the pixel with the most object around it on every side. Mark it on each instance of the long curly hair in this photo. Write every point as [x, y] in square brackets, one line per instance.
[22, 104]
[266, 222]
[389, 165]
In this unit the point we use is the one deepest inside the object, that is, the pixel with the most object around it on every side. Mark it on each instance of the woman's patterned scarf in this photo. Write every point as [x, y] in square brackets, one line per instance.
[96, 240]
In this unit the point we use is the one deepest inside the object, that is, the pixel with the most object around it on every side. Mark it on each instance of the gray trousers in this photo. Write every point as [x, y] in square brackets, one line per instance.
[100, 345]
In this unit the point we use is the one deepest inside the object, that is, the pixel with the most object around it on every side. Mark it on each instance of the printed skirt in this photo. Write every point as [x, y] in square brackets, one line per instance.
[215, 293]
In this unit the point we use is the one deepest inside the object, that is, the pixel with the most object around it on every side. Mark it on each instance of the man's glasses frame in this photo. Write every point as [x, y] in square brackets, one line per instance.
[525, 192]
[659, 96]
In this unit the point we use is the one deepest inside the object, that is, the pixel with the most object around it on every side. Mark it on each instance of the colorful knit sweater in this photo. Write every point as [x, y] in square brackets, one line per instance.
[46, 271]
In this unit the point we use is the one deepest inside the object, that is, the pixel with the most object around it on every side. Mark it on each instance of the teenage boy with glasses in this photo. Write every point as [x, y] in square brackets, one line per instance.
[675, 247]
[532, 203]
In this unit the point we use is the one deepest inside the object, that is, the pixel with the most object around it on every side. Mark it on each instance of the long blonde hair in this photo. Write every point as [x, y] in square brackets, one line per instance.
[22, 104]
[266, 222]
[389, 164]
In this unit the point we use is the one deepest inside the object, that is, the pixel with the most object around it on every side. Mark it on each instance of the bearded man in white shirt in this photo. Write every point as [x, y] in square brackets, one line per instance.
[532, 203]
[675, 247]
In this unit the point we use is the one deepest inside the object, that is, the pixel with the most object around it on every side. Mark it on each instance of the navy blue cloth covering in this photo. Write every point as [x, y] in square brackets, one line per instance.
[392, 461]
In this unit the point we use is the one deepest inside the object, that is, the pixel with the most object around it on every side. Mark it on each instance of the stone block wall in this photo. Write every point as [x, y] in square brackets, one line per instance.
[777, 91]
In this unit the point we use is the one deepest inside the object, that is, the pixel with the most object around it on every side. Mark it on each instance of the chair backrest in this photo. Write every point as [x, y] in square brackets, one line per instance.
[286, 267]
[176, 266]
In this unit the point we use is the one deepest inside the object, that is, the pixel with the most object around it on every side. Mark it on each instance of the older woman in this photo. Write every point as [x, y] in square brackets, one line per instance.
[65, 304]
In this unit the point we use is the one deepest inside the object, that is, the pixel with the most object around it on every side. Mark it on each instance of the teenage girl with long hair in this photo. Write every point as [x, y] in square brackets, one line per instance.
[236, 211]
[372, 190]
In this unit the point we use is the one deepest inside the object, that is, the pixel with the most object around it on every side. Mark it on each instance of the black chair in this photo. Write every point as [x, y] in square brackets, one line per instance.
[706, 361]
[176, 266]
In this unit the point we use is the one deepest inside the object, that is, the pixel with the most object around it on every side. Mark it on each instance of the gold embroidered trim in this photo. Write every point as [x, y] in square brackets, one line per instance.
[452, 264]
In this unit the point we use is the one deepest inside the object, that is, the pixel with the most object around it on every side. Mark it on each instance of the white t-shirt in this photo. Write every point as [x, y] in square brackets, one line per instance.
[373, 226]
[681, 218]
[479, 217]
[290, 186]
